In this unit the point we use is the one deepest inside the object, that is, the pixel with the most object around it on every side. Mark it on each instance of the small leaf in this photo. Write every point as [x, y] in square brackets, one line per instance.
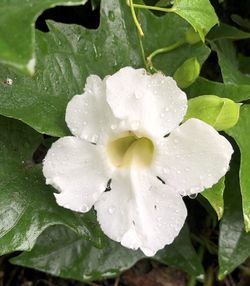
[199, 13]
[241, 135]
[187, 73]
[61, 252]
[221, 113]
[215, 197]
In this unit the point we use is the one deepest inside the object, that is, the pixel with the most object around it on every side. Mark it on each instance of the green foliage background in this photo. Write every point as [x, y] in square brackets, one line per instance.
[70, 244]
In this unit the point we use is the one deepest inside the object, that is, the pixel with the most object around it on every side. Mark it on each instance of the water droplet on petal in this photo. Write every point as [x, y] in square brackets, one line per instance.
[84, 208]
[111, 210]
[165, 170]
[135, 125]
[193, 196]
[113, 126]
[138, 95]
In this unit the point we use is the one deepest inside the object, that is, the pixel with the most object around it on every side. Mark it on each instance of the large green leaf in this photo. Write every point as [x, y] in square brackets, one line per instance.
[199, 13]
[69, 53]
[17, 34]
[234, 242]
[62, 252]
[241, 135]
[235, 92]
[27, 206]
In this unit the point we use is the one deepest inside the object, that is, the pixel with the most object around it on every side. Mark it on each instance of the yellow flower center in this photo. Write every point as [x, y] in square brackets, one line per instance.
[130, 149]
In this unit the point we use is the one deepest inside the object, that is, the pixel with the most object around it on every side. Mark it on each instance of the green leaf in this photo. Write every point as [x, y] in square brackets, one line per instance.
[241, 135]
[95, 4]
[182, 255]
[62, 252]
[215, 197]
[17, 31]
[204, 86]
[27, 206]
[199, 13]
[225, 31]
[234, 242]
[68, 54]
[221, 113]
[229, 63]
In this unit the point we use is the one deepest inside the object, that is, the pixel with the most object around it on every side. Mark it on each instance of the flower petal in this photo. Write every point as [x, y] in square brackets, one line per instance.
[140, 211]
[194, 157]
[149, 103]
[78, 170]
[88, 115]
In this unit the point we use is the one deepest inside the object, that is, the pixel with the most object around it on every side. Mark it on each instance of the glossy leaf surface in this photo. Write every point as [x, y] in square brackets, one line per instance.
[62, 252]
[27, 206]
[68, 54]
[19, 21]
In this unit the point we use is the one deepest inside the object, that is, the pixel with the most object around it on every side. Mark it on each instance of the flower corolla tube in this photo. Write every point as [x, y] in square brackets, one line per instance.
[127, 132]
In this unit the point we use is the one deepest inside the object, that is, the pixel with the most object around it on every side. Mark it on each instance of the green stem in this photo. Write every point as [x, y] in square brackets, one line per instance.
[191, 281]
[163, 50]
[209, 280]
[155, 8]
[137, 24]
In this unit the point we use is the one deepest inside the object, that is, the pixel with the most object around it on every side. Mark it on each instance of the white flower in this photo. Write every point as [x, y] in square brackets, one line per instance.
[128, 116]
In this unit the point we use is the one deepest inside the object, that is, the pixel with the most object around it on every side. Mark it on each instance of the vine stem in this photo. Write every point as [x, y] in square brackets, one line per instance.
[163, 50]
[138, 26]
[155, 8]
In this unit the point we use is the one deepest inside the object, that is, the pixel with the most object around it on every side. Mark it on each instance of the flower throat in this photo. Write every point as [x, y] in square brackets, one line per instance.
[130, 149]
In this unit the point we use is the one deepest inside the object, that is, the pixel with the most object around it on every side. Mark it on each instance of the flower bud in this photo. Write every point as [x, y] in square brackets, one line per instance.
[187, 73]
[221, 113]
[192, 37]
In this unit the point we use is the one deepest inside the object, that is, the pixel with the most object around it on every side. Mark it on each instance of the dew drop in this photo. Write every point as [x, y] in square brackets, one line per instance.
[111, 210]
[84, 208]
[138, 95]
[193, 196]
[165, 170]
[135, 125]
[94, 138]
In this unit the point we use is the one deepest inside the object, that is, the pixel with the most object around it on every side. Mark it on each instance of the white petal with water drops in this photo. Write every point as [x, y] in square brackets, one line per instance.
[88, 115]
[197, 156]
[148, 214]
[79, 170]
[150, 103]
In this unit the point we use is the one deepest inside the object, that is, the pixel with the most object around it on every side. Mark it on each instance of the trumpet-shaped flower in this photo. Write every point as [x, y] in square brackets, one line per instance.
[126, 128]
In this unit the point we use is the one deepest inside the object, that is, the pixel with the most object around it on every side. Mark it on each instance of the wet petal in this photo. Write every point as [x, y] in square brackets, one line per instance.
[140, 211]
[88, 115]
[78, 170]
[152, 104]
[194, 157]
